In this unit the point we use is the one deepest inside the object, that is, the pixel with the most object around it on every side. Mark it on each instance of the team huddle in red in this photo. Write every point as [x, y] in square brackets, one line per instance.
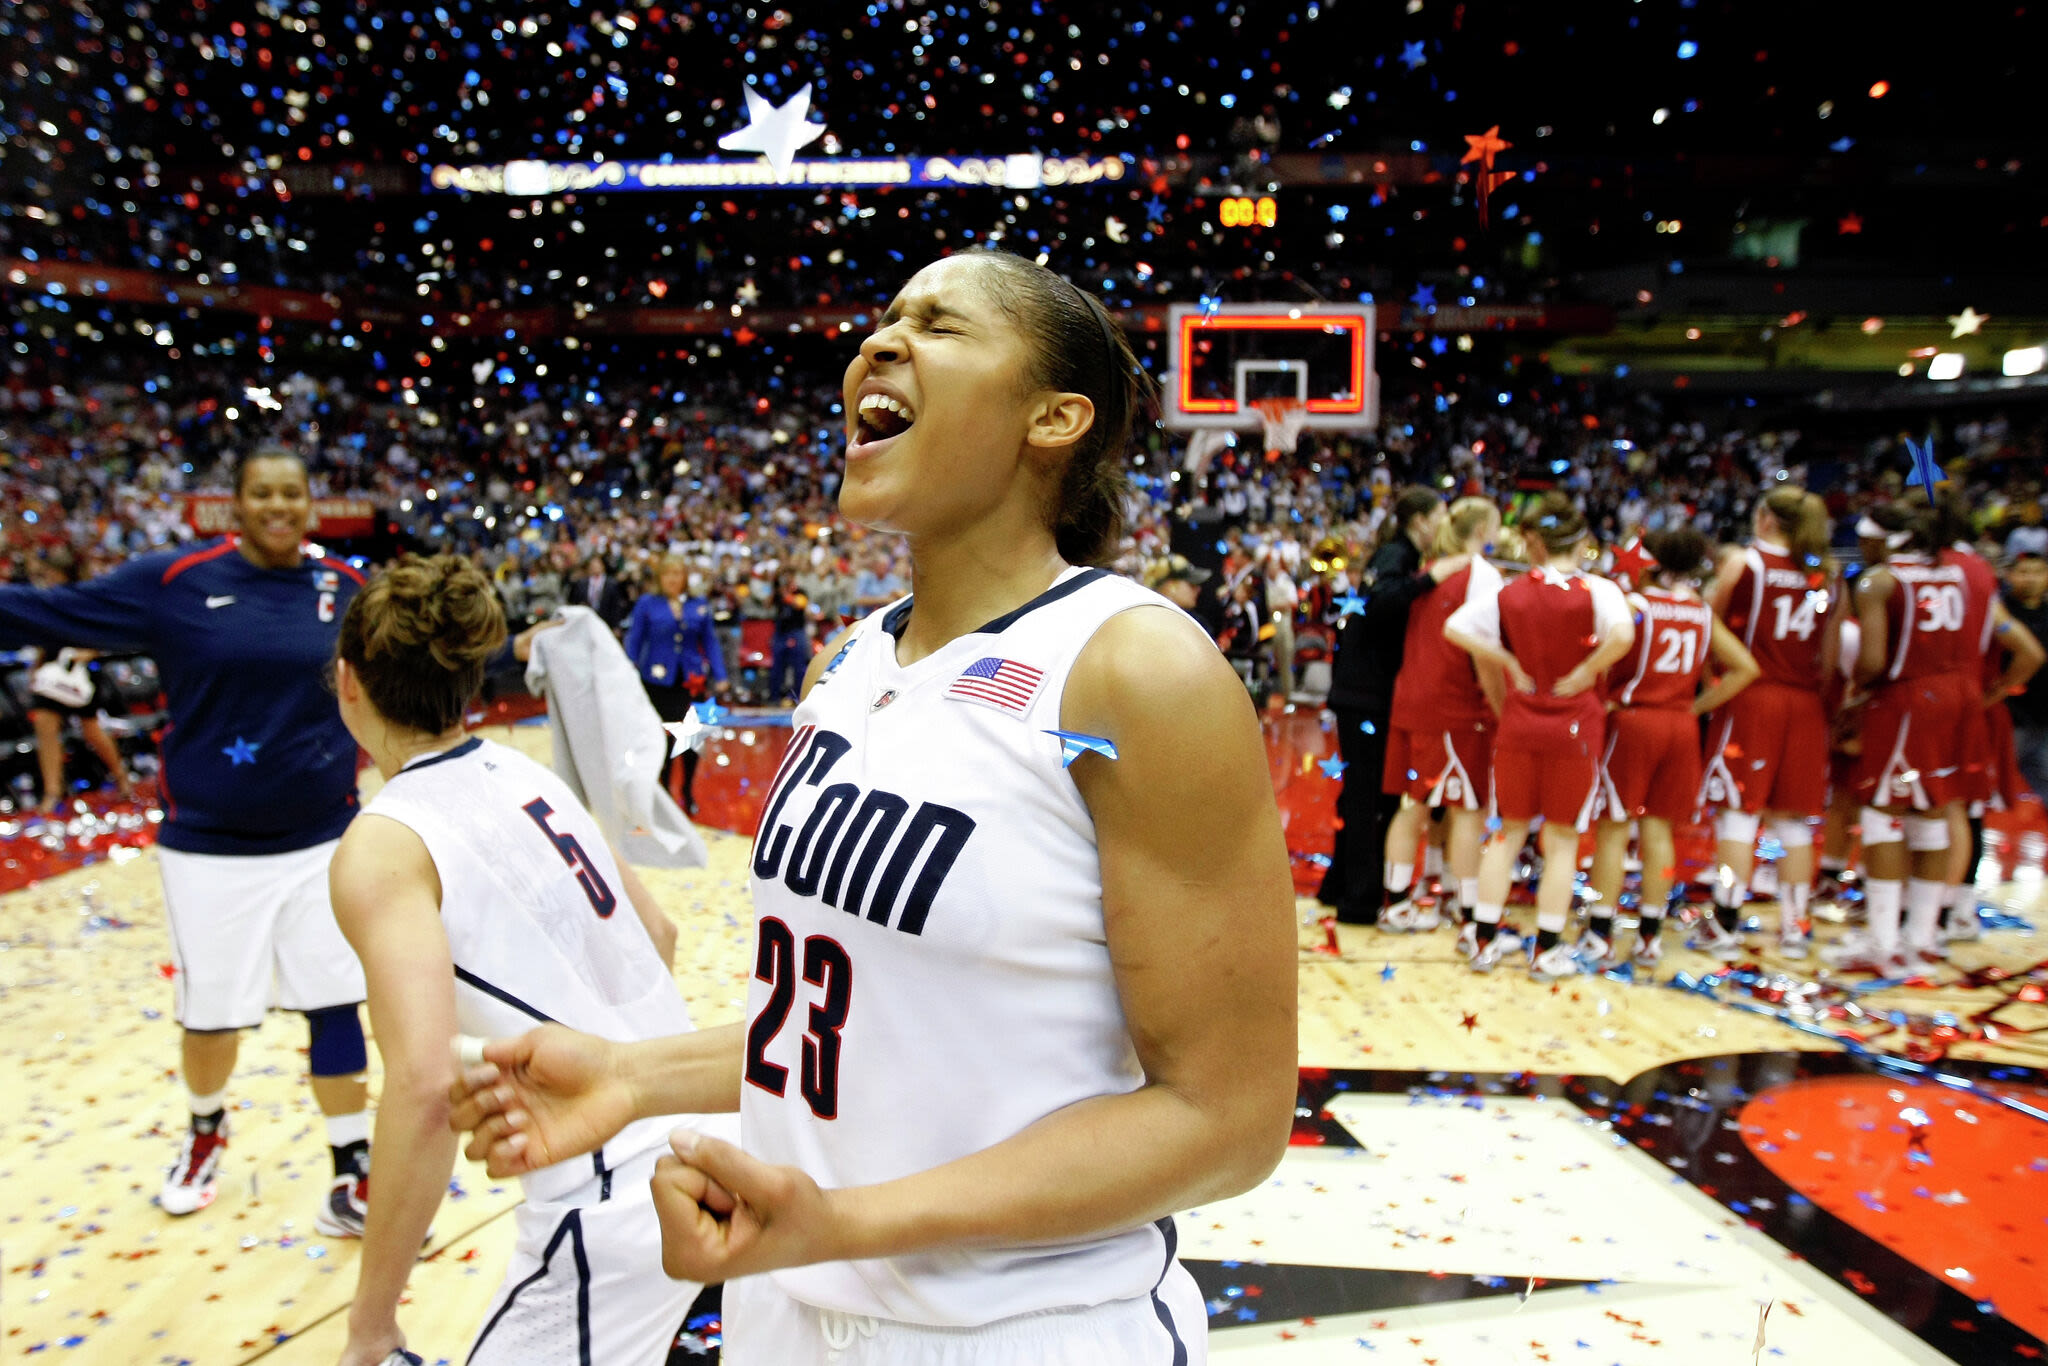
[1873, 689]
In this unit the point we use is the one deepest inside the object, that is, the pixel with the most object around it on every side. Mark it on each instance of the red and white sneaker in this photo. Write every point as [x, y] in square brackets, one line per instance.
[343, 1211]
[191, 1185]
[1409, 916]
[1649, 952]
[1861, 953]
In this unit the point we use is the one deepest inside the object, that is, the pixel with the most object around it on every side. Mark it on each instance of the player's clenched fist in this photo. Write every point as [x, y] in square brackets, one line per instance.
[725, 1214]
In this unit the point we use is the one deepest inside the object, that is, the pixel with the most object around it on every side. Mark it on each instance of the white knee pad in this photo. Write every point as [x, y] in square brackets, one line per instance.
[1926, 834]
[1792, 833]
[1878, 828]
[1737, 827]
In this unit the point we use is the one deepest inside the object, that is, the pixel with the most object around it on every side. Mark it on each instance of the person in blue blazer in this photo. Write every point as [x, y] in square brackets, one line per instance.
[672, 640]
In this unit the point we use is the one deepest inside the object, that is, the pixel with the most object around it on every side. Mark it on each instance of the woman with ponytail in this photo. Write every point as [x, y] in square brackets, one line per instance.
[1020, 884]
[1767, 750]
[1651, 771]
[1555, 632]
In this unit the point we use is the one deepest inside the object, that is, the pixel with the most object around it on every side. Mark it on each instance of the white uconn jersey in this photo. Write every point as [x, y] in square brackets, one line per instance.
[931, 974]
[537, 918]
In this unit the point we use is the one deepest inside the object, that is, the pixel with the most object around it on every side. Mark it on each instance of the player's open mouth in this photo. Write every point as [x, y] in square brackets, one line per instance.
[880, 418]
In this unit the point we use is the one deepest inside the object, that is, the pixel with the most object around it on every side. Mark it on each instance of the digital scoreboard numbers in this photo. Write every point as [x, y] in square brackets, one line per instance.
[1241, 211]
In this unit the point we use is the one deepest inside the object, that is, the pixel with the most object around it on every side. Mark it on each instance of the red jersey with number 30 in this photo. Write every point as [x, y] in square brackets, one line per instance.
[1980, 589]
[1779, 608]
[1929, 618]
[1663, 668]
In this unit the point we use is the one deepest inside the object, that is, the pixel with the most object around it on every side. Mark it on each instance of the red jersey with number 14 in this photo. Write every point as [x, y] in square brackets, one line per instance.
[1663, 668]
[1778, 607]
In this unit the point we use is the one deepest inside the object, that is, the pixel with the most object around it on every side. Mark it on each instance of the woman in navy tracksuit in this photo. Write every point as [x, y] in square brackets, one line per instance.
[672, 640]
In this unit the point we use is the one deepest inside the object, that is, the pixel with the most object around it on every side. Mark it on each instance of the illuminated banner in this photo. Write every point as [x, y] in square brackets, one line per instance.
[1024, 171]
[333, 518]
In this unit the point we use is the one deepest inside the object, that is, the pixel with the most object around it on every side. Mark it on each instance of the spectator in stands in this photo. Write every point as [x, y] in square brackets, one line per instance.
[792, 652]
[2029, 536]
[601, 592]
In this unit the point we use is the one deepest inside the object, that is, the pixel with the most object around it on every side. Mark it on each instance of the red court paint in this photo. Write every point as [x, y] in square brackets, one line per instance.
[1954, 1183]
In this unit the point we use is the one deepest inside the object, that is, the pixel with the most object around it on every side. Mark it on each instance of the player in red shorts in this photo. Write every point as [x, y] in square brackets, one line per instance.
[1651, 771]
[1555, 632]
[1912, 775]
[1440, 739]
[2006, 656]
[1767, 751]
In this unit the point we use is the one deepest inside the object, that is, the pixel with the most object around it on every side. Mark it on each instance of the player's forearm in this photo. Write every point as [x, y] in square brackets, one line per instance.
[1725, 687]
[1479, 648]
[1618, 641]
[1109, 1163]
[419, 1153]
[686, 1074]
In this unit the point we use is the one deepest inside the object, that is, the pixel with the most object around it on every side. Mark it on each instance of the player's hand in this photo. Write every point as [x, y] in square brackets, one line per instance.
[1574, 683]
[724, 1213]
[547, 1095]
[1518, 677]
[522, 644]
[1993, 698]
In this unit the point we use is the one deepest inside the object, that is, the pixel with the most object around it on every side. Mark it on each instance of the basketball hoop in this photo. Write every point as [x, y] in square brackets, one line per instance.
[1282, 418]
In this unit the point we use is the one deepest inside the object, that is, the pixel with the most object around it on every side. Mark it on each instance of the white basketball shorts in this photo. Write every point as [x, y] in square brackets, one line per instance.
[585, 1282]
[251, 931]
[1170, 1327]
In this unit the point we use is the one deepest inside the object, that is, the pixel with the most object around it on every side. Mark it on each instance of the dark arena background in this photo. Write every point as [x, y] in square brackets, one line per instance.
[567, 288]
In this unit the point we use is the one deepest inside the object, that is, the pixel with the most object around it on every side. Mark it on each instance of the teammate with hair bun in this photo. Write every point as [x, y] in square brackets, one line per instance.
[259, 781]
[1555, 631]
[1025, 951]
[1767, 750]
[1651, 771]
[482, 897]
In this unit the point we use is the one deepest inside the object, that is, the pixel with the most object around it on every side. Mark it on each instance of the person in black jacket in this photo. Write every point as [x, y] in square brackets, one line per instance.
[1369, 647]
[603, 593]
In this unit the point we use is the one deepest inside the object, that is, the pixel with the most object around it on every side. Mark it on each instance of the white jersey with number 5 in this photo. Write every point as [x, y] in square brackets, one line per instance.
[931, 974]
[537, 918]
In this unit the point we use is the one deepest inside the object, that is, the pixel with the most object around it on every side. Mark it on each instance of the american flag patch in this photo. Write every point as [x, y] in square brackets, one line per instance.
[1003, 684]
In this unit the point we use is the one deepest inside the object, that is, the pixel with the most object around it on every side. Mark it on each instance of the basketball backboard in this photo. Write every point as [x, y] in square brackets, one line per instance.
[1222, 359]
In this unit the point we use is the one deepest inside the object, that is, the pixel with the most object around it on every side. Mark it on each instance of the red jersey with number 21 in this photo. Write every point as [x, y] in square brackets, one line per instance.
[1662, 669]
[1778, 611]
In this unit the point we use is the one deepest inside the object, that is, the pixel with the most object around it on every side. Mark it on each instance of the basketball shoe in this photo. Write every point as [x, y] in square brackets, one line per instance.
[1861, 953]
[1489, 955]
[342, 1212]
[1963, 926]
[1710, 938]
[1408, 916]
[1468, 939]
[1554, 962]
[1793, 940]
[1649, 952]
[191, 1185]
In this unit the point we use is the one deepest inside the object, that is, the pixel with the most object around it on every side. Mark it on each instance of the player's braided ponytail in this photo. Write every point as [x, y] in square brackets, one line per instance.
[419, 636]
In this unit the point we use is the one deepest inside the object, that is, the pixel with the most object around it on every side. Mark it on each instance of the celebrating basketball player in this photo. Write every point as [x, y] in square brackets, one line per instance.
[259, 781]
[1651, 771]
[1767, 750]
[481, 896]
[1024, 977]
[1555, 631]
[1446, 704]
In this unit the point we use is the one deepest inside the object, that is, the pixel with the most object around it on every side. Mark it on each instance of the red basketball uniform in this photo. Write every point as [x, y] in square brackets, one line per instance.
[1919, 709]
[1440, 736]
[1768, 748]
[1981, 668]
[1546, 755]
[1652, 764]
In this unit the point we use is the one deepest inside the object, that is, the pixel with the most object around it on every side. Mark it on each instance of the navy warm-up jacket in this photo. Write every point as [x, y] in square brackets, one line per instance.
[255, 757]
